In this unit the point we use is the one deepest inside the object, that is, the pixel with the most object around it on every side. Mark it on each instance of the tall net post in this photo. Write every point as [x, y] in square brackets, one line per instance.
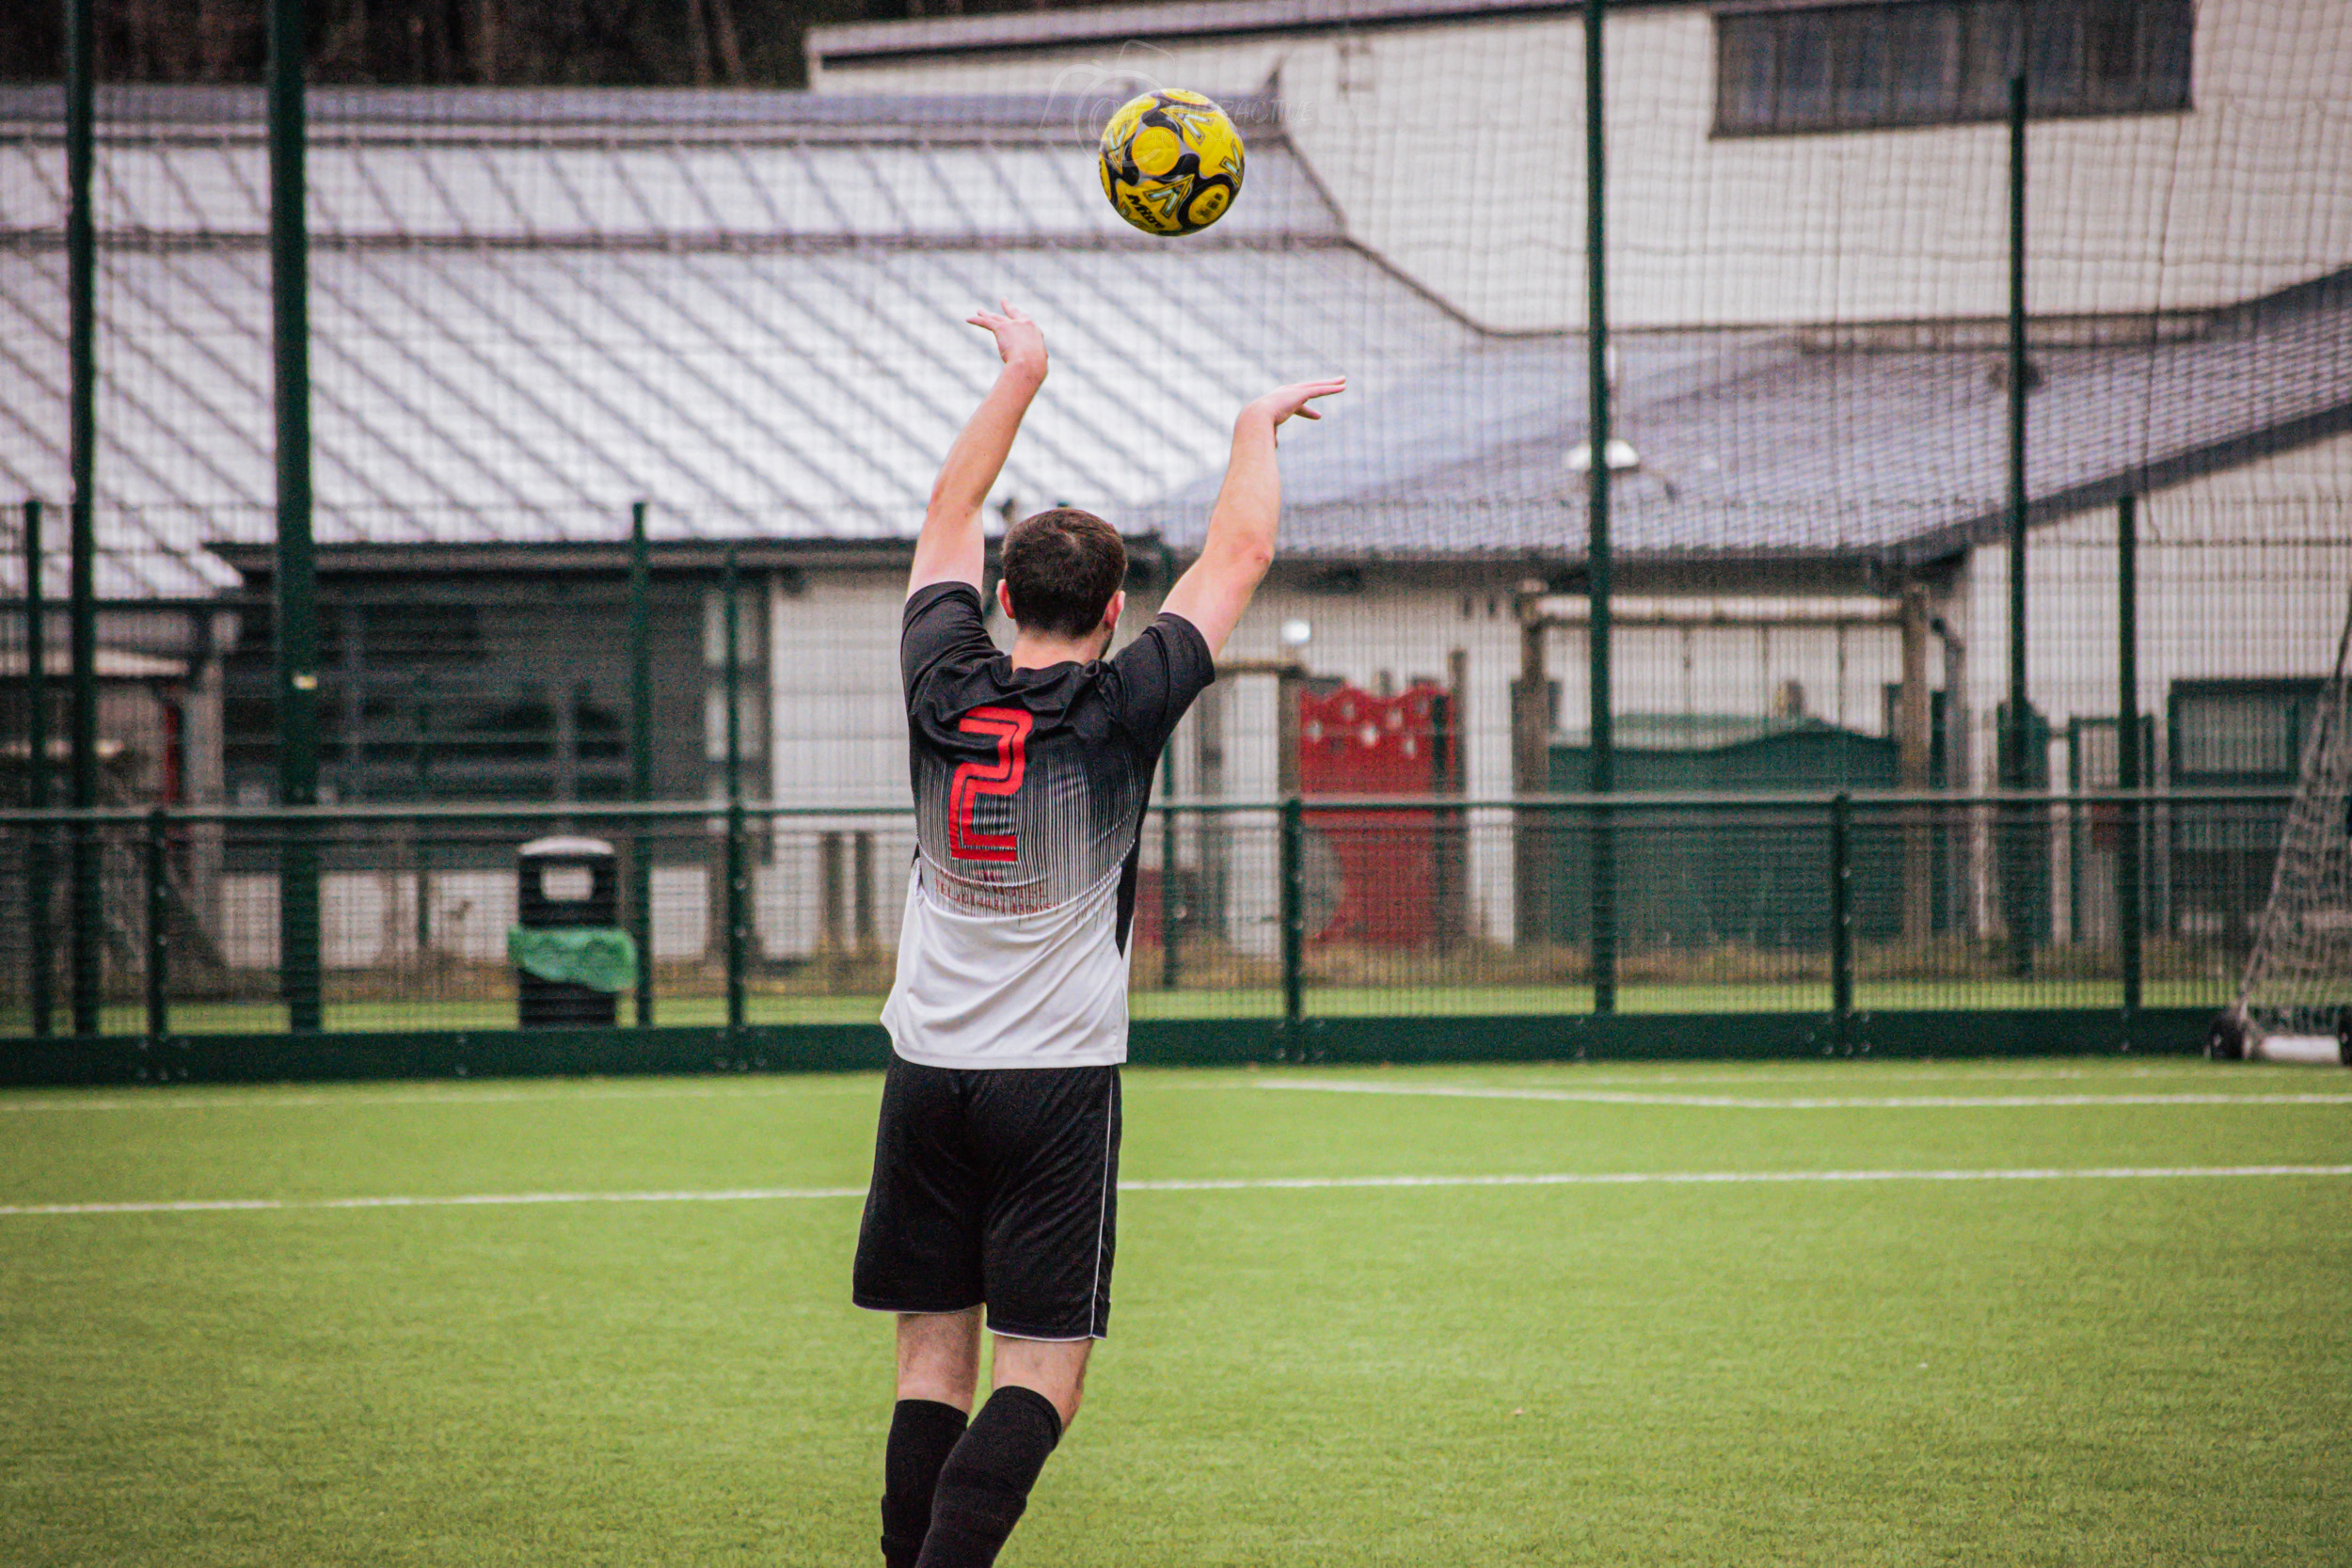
[1599, 561]
[295, 574]
[2017, 776]
[82, 368]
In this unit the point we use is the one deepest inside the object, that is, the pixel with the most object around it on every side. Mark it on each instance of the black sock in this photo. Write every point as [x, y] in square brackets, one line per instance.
[985, 1483]
[922, 1434]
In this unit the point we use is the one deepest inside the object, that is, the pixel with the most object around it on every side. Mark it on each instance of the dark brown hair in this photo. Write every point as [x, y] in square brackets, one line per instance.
[1061, 568]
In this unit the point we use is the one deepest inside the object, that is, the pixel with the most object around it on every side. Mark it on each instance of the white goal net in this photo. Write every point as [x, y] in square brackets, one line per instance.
[2295, 1001]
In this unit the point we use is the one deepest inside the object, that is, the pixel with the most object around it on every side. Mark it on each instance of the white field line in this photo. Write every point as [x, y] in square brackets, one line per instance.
[264, 1098]
[1202, 1185]
[466, 1200]
[1879, 1072]
[1823, 1102]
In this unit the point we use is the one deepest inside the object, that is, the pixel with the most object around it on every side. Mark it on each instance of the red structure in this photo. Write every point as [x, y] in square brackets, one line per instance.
[1376, 874]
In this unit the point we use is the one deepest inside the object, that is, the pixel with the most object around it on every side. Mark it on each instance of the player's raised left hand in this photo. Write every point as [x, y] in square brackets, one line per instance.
[1019, 340]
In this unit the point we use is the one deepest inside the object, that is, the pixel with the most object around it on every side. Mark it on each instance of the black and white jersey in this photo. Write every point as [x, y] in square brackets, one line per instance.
[1030, 788]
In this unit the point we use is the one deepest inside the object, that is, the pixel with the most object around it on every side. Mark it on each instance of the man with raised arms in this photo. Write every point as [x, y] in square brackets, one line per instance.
[994, 1194]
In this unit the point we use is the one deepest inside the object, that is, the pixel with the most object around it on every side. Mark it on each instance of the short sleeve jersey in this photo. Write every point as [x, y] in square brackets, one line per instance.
[1030, 790]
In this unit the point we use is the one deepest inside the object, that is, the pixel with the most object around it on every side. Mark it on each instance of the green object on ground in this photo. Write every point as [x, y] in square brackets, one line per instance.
[602, 958]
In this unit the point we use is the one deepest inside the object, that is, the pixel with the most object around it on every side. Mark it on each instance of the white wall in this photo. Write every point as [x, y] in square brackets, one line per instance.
[839, 725]
[367, 918]
[2243, 573]
[1456, 151]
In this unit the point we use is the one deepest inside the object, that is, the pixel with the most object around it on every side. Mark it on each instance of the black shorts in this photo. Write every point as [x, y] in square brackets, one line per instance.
[997, 1186]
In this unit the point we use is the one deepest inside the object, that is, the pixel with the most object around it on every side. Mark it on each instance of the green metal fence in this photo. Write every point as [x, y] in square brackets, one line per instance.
[1377, 928]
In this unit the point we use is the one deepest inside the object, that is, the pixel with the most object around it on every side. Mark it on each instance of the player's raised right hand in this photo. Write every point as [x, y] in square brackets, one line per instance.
[1020, 342]
[1283, 402]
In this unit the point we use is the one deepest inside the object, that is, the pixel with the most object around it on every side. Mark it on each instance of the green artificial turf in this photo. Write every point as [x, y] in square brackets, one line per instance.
[2141, 1372]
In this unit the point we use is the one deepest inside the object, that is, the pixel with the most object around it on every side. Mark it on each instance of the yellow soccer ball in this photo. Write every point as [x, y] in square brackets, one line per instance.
[1171, 163]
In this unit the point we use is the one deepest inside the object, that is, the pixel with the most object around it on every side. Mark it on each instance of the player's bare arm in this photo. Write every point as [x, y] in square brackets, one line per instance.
[951, 547]
[1213, 594]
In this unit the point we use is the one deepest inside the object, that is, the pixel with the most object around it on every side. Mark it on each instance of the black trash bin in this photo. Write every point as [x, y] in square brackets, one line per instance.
[565, 884]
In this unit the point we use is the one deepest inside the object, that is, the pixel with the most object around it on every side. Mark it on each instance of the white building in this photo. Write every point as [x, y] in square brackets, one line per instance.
[1808, 247]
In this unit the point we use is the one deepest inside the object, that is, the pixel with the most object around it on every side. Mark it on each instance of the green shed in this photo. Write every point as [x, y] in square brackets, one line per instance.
[1696, 878]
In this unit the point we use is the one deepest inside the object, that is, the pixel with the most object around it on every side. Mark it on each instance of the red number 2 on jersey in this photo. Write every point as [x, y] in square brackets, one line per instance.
[1011, 727]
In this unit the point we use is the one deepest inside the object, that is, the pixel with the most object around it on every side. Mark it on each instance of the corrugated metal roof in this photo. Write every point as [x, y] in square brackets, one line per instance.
[530, 310]
[1753, 445]
[574, 166]
[128, 113]
[513, 338]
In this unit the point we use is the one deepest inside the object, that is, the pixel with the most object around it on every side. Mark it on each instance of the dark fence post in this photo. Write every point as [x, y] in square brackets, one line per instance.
[40, 947]
[1602, 744]
[731, 623]
[2017, 838]
[81, 243]
[735, 921]
[421, 831]
[1168, 960]
[731, 620]
[41, 936]
[1841, 918]
[296, 574]
[301, 981]
[1293, 912]
[158, 927]
[1604, 890]
[640, 756]
[2128, 920]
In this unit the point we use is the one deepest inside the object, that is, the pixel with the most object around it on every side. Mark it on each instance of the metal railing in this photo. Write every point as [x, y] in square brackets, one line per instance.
[172, 922]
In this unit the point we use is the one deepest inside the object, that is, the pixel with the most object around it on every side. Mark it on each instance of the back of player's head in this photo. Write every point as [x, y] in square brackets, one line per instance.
[1061, 568]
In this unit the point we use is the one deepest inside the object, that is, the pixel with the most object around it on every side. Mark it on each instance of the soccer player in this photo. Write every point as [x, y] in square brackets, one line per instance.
[996, 1159]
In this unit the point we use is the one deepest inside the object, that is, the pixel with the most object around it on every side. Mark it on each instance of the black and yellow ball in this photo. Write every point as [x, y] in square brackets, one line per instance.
[1171, 163]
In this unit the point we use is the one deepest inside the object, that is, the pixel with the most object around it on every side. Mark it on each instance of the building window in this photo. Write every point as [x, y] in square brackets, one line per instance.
[1943, 62]
[2241, 732]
